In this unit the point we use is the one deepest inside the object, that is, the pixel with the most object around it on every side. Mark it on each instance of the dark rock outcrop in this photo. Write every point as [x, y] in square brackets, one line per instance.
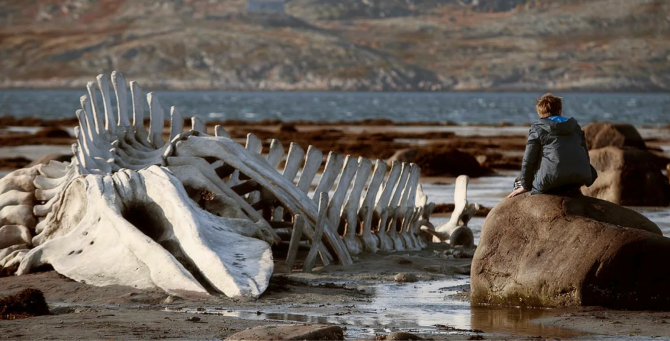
[550, 251]
[605, 134]
[438, 161]
[290, 332]
[629, 177]
[52, 132]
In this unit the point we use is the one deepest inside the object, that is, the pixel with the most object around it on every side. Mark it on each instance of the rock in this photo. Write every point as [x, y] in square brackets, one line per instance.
[193, 319]
[290, 332]
[402, 336]
[27, 303]
[465, 253]
[434, 268]
[14, 162]
[52, 132]
[604, 134]
[398, 259]
[628, 177]
[405, 277]
[287, 128]
[549, 251]
[441, 161]
[281, 268]
[44, 160]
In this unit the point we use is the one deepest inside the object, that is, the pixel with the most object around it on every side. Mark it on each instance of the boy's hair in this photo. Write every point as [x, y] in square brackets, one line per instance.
[549, 105]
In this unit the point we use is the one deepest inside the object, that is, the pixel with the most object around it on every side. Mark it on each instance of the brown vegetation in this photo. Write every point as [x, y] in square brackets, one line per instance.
[27, 303]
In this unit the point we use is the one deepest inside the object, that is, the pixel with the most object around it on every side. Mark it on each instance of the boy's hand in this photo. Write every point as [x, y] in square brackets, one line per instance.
[517, 192]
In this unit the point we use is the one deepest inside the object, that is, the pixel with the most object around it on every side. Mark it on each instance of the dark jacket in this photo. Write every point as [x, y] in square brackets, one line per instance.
[556, 156]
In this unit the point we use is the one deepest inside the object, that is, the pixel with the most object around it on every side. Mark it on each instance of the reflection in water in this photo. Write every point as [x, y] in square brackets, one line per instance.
[511, 320]
[424, 307]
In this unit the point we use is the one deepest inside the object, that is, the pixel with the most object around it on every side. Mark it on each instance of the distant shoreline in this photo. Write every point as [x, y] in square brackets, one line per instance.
[447, 91]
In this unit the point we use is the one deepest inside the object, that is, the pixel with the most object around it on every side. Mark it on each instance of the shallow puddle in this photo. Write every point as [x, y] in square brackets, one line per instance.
[422, 307]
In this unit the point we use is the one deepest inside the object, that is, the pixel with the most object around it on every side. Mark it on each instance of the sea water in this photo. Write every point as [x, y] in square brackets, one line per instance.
[648, 109]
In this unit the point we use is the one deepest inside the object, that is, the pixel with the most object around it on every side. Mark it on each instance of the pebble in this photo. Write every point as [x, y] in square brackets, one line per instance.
[398, 259]
[405, 277]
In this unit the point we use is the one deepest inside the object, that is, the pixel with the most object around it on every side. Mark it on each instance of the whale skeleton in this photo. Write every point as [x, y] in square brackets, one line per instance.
[197, 212]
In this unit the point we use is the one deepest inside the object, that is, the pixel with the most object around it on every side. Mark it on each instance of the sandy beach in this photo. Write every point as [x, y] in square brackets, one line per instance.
[363, 298]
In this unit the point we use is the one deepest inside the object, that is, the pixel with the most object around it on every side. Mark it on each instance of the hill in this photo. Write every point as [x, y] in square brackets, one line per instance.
[508, 45]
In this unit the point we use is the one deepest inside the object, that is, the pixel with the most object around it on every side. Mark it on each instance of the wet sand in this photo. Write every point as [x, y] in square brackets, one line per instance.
[363, 298]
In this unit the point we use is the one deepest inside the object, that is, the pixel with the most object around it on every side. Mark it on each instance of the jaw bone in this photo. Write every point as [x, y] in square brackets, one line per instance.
[140, 228]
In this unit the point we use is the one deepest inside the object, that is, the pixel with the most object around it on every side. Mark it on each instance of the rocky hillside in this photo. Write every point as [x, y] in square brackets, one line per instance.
[610, 45]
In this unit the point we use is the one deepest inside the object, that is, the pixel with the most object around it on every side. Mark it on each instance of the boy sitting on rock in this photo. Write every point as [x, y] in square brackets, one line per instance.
[556, 160]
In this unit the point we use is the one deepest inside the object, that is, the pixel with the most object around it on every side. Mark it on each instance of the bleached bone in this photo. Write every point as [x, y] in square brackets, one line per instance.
[209, 187]
[407, 205]
[257, 168]
[335, 211]
[298, 224]
[367, 210]
[8, 251]
[141, 229]
[382, 207]
[157, 116]
[321, 223]
[198, 125]
[456, 230]
[176, 123]
[219, 131]
[396, 213]
[354, 243]
[14, 235]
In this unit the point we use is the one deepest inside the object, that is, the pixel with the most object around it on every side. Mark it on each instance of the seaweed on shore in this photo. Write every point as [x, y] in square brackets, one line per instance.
[28, 303]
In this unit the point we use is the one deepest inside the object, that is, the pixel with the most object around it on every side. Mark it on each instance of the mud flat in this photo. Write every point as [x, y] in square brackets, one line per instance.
[363, 298]
[364, 301]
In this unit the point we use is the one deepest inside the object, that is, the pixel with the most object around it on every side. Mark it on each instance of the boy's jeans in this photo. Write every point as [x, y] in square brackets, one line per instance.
[566, 190]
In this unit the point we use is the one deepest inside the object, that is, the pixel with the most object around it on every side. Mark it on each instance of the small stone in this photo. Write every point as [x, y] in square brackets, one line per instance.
[405, 277]
[463, 254]
[193, 319]
[398, 259]
[290, 332]
[281, 268]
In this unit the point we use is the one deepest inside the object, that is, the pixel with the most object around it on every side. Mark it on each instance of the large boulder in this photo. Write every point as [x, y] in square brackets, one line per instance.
[549, 251]
[441, 161]
[604, 134]
[628, 177]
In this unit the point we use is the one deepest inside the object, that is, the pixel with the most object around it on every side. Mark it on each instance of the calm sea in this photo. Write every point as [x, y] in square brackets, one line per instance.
[463, 108]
